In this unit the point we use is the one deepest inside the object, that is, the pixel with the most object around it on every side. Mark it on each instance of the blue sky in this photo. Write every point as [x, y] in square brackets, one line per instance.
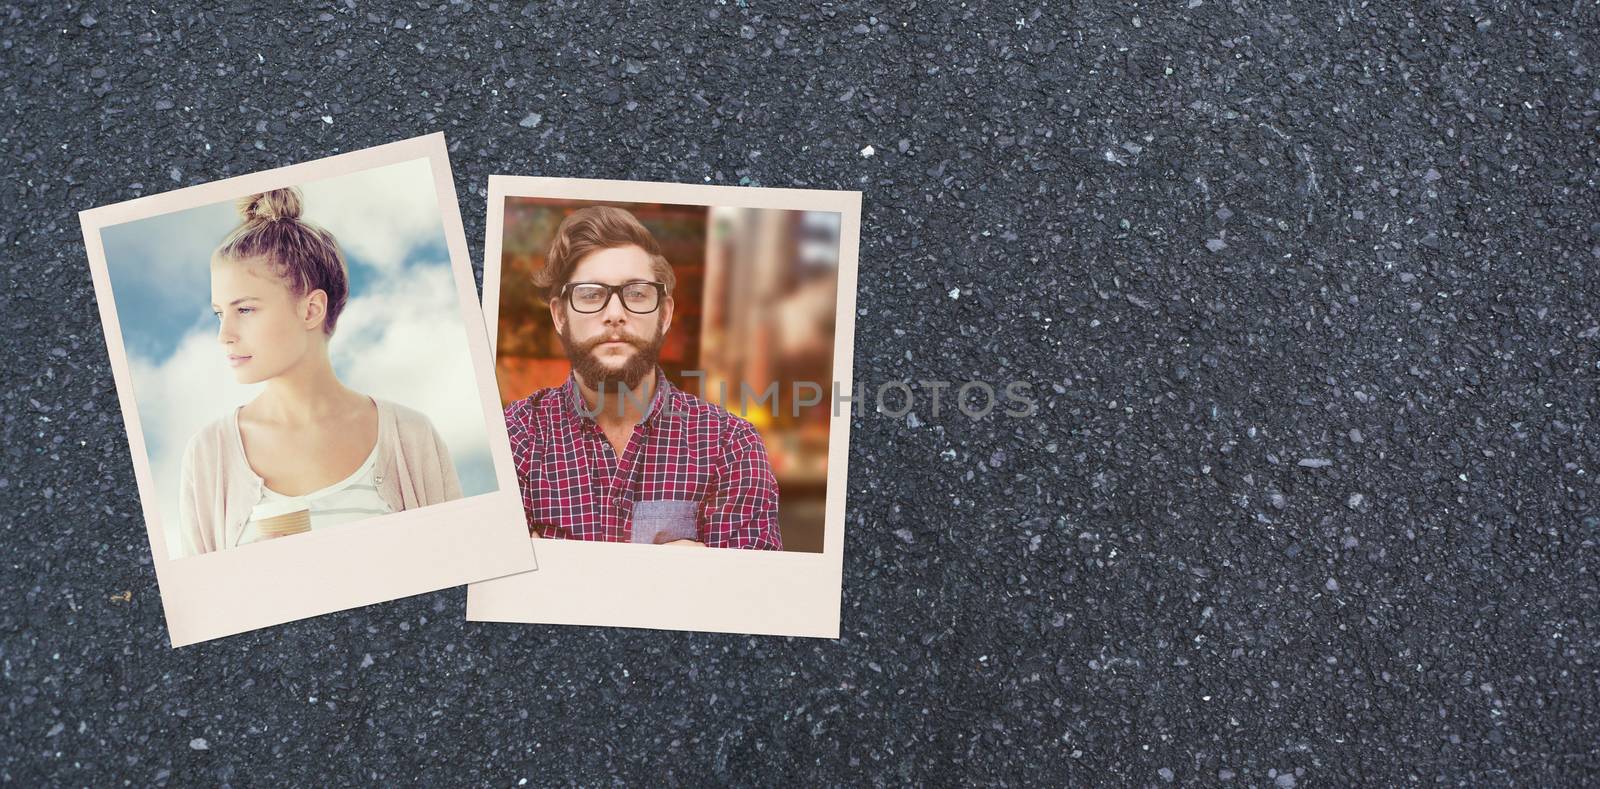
[156, 311]
[402, 336]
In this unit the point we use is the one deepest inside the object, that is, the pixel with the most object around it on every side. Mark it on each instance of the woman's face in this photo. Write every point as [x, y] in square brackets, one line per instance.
[263, 328]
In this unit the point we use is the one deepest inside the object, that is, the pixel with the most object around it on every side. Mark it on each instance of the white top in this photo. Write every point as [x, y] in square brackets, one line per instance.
[351, 499]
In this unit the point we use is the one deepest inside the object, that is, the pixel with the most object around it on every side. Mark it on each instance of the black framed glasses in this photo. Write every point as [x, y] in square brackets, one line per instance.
[641, 298]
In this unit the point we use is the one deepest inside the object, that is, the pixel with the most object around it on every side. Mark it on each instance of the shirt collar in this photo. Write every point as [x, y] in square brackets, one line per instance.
[572, 397]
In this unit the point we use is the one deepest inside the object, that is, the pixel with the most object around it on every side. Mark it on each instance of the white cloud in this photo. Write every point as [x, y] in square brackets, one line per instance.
[176, 398]
[402, 341]
[381, 215]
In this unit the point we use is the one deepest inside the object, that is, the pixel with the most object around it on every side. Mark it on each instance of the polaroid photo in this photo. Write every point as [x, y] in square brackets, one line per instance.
[308, 389]
[674, 362]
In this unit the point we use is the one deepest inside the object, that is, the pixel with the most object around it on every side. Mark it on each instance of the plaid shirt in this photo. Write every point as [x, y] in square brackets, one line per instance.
[690, 470]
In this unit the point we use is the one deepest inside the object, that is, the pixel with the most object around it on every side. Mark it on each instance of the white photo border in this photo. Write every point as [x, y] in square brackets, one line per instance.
[617, 584]
[398, 555]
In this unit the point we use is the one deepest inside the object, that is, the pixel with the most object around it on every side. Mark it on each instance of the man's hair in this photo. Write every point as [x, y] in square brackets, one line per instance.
[304, 256]
[590, 230]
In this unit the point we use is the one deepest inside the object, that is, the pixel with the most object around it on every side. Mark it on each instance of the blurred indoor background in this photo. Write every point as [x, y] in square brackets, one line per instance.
[755, 305]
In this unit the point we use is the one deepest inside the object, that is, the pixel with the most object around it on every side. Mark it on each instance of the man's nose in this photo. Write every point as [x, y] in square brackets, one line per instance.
[614, 311]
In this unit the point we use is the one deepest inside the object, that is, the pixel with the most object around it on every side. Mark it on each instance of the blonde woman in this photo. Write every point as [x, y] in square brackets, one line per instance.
[308, 453]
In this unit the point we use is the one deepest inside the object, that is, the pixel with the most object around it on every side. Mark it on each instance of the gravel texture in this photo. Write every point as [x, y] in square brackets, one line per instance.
[1307, 295]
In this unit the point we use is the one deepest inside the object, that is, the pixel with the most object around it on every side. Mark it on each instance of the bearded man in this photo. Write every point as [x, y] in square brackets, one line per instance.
[617, 453]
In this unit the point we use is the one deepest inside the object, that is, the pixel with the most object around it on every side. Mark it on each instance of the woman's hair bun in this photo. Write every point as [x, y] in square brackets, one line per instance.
[271, 206]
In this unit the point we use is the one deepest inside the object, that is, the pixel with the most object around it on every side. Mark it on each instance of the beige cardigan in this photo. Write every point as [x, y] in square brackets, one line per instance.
[219, 488]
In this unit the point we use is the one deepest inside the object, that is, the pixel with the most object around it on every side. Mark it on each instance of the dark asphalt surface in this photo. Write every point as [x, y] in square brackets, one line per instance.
[1224, 241]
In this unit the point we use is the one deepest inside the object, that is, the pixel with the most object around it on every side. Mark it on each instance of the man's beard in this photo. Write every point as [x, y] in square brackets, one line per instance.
[602, 377]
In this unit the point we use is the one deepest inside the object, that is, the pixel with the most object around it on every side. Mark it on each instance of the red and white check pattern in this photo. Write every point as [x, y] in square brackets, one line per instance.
[684, 449]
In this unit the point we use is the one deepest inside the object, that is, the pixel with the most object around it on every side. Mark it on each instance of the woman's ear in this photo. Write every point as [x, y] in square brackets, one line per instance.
[315, 310]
